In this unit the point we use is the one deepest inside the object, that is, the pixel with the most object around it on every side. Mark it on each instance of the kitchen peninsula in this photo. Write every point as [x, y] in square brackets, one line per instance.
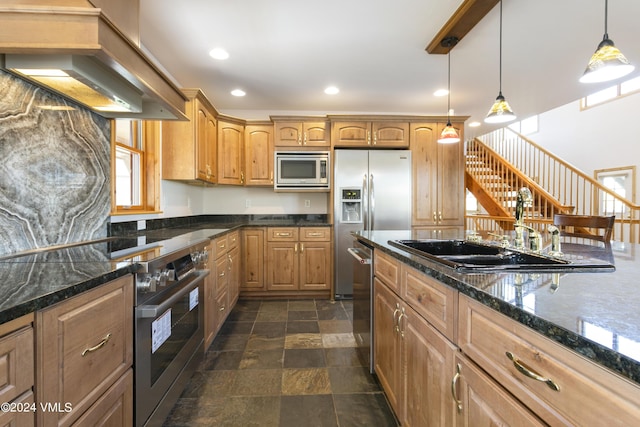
[530, 332]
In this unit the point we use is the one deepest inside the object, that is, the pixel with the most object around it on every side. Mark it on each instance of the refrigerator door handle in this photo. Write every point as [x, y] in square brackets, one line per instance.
[372, 202]
[365, 202]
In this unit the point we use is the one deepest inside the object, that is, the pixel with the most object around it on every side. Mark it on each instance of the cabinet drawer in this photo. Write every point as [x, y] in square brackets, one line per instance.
[221, 245]
[222, 274]
[318, 234]
[114, 408]
[387, 269]
[282, 234]
[436, 302]
[84, 345]
[16, 364]
[586, 391]
[233, 240]
[20, 418]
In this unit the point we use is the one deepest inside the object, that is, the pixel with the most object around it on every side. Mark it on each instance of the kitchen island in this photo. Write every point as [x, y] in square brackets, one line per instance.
[591, 318]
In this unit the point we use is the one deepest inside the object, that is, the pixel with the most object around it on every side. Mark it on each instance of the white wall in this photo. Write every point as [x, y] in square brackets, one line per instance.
[601, 137]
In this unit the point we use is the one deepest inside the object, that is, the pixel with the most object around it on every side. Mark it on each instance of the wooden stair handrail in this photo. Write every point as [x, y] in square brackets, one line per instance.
[575, 170]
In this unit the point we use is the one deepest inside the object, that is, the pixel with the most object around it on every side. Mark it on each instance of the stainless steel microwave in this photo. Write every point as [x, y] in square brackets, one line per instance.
[302, 170]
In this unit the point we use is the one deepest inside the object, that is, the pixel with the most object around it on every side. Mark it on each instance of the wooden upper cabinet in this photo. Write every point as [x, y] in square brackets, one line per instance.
[189, 148]
[438, 177]
[302, 134]
[230, 147]
[258, 155]
[376, 134]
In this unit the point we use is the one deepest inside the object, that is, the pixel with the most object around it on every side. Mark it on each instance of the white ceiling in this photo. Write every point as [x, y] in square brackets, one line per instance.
[285, 52]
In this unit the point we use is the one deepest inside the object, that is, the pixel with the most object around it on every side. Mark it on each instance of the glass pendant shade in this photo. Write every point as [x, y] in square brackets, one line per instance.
[500, 111]
[607, 63]
[449, 135]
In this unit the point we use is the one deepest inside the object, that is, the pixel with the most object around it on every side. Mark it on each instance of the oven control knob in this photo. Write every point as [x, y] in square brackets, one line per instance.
[146, 283]
[164, 277]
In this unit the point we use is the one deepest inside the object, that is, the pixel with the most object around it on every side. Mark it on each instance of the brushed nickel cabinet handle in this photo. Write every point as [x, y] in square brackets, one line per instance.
[528, 372]
[435, 219]
[395, 312]
[301, 247]
[402, 314]
[97, 346]
[295, 248]
[454, 391]
[315, 234]
[221, 308]
[375, 138]
[368, 137]
[281, 234]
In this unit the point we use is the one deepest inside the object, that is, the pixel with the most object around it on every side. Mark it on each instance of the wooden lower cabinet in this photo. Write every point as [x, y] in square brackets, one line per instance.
[298, 259]
[481, 402]
[114, 407]
[210, 312]
[84, 346]
[253, 256]
[413, 361]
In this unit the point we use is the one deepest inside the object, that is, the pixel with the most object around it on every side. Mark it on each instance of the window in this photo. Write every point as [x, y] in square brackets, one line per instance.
[622, 182]
[526, 126]
[134, 174]
[621, 89]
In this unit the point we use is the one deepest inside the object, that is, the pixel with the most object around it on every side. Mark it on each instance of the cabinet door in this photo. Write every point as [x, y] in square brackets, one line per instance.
[483, 403]
[351, 134]
[386, 343]
[390, 134]
[450, 183]
[258, 155]
[428, 359]
[288, 134]
[253, 260]
[89, 333]
[211, 149]
[282, 266]
[230, 137]
[316, 134]
[315, 264]
[424, 156]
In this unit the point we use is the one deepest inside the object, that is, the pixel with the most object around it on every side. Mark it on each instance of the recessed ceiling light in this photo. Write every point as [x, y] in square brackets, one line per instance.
[474, 124]
[331, 90]
[219, 53]
[238, 92]
[441, 92]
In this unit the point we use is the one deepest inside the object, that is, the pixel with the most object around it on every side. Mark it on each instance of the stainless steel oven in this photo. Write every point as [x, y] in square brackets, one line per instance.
[169, 330]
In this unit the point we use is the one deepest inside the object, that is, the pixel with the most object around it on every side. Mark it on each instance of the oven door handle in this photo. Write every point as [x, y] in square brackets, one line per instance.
[152, 311]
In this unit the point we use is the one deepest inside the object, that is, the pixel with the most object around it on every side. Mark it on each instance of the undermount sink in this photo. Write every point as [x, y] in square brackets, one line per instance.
[469, 256]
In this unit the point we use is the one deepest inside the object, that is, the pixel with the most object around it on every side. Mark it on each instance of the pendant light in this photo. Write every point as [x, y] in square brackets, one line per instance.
[607, 63]
[500, 111]
[449, 135]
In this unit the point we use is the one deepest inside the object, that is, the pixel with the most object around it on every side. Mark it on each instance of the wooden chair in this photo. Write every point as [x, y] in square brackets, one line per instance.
[584, 226]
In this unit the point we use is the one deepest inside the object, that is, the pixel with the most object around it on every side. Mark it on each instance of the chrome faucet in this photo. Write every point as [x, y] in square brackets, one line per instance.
[535, 241]
[524, 199]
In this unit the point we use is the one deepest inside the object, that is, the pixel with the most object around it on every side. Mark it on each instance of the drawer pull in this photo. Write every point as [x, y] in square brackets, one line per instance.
[527, 371]
[97, 346]
[315, 234]
[454, 391]
[400, 328]
[287, 234]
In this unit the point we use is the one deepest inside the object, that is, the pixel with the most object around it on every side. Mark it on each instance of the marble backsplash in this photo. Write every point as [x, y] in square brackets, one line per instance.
[54, 169]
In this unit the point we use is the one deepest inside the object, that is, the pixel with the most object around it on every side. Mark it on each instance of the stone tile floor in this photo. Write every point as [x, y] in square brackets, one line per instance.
[286, 363]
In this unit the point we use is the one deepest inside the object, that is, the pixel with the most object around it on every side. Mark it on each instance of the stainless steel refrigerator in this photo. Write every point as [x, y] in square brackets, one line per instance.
[372, 191]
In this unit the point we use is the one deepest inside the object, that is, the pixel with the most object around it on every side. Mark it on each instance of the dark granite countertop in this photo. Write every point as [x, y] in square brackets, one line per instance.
[593, 313]
[37, 279]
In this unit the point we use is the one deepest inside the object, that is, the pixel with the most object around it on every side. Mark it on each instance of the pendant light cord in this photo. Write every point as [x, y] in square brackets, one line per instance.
[606, 13]
[449, 86]
[500, 74]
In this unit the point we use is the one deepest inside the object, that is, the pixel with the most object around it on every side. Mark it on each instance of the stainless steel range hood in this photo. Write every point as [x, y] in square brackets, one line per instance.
[81, 54]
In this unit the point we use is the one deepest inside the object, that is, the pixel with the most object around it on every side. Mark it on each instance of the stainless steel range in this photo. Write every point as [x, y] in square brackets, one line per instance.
[169, 327]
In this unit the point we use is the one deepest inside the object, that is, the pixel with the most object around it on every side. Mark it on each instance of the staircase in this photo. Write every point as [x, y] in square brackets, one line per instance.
[500, 163]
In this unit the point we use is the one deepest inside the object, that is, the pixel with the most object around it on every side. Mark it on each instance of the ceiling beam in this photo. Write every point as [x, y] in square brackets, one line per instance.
[460, 23]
